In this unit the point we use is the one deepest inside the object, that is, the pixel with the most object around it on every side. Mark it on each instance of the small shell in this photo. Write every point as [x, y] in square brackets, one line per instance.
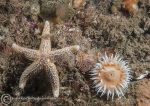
[143, 75]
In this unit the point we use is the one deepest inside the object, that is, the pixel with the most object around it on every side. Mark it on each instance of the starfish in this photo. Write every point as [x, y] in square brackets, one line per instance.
[43, 58]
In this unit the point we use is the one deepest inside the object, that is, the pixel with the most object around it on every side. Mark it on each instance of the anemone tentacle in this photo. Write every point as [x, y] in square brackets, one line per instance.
[111, 76]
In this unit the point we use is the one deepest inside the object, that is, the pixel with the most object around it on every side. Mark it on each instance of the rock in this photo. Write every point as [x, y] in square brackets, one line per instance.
[143, 93]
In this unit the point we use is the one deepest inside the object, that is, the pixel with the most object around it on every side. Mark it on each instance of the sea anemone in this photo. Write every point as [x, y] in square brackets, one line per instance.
[111, 75]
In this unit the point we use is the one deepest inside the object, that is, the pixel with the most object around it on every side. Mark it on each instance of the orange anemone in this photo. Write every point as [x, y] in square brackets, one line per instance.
[111, 76]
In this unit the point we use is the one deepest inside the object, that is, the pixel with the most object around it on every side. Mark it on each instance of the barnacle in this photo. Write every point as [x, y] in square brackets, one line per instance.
[111, 76]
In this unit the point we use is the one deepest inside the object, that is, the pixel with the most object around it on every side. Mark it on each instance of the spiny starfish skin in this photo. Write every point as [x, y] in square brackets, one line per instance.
[43, 58]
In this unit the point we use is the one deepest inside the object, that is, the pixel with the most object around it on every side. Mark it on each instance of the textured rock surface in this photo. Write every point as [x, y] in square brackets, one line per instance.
[143, 93]
[94, 28]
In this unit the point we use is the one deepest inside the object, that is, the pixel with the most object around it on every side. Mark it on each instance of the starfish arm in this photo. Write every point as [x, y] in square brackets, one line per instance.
[29, 53]
[53, 78]
[45, 38]
[66, 50]
[31, 70]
